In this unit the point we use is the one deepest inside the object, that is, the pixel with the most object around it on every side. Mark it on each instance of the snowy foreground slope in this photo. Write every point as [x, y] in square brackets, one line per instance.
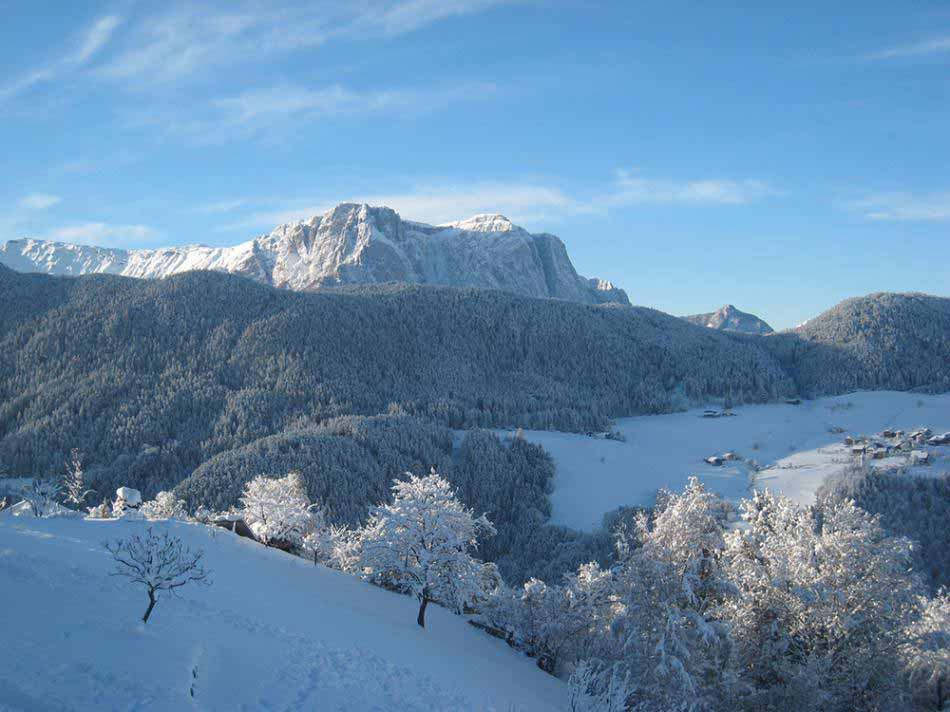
[350, 244]
[792, 443]
[272, 632]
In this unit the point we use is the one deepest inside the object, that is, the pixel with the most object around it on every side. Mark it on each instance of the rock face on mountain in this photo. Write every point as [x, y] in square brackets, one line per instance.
[728, 318]
[350, 244]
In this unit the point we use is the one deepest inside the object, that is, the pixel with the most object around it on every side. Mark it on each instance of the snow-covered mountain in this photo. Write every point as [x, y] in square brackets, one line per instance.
[350, 244]
[728, 318]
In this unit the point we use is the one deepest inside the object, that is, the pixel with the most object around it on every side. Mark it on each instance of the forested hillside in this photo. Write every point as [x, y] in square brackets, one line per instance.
[206, 379]
[880, 341]
[201, 363]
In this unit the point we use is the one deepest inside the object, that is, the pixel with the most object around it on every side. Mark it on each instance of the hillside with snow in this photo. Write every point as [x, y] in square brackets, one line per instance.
[350, 244]
[272, 632]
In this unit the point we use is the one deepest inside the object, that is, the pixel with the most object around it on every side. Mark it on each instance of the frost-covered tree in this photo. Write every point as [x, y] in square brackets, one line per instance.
[336, 547]
[278, 511]
[157, 562]
[591, 688]
[74, 485]
[674, 649]
[422, 543]
[165, 506]
[926, 650]
[822, 601]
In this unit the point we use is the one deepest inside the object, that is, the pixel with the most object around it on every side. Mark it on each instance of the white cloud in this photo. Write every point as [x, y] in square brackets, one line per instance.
[103, 234]
[923, 48]
[262, 107]
[184, 43]
[92, 41]
[904, 207]
[95, 38]
[39, 201]
[221, 206]
[632, 189]
[289, 106]
[402, 17]
[524, 202]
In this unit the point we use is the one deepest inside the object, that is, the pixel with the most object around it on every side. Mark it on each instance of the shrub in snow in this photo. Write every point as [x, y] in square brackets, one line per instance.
[158, 563]
[278, 511]
[421, 543]
[41, 495]
[101, 511]
[74, 486]
[164, 506]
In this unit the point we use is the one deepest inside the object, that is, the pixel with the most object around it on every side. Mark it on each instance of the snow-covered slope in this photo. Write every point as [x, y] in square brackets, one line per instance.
[728, 318]
[793, 443]
[350, 244]
[272, 632]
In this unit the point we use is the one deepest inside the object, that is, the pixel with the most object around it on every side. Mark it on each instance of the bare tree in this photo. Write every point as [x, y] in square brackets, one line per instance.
[158, 562]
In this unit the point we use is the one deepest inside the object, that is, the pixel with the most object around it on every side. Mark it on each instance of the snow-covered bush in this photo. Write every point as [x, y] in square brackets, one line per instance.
[165, 506]
[421, 543]
[278, 511]
[41, 494]
[128, 502]
[103, 510]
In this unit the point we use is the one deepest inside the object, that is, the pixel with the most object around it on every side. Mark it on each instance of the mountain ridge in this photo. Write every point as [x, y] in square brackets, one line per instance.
[729, 318]
[353, 243]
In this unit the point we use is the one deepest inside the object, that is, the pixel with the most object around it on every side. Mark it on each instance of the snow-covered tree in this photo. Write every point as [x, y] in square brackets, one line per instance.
[74, 486]
[591, 688]
[278, 511]
[675, 651]
[157, 562]
[422, 542]
[926, 651]
[336, 547]
[41, 494]
[821, 607]
[165, 506]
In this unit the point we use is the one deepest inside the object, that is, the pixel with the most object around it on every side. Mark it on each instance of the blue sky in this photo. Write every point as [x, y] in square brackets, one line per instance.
[780, 159]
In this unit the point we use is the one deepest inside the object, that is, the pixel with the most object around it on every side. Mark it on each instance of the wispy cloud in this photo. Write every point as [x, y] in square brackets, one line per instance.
[921, 48]
[255, 111]
[103, 234]
[39, 201]
[402, 17]
[523, 201]
[220, 207]
[902, 206]
[92, 40]
[181, 44]
[631, 189]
